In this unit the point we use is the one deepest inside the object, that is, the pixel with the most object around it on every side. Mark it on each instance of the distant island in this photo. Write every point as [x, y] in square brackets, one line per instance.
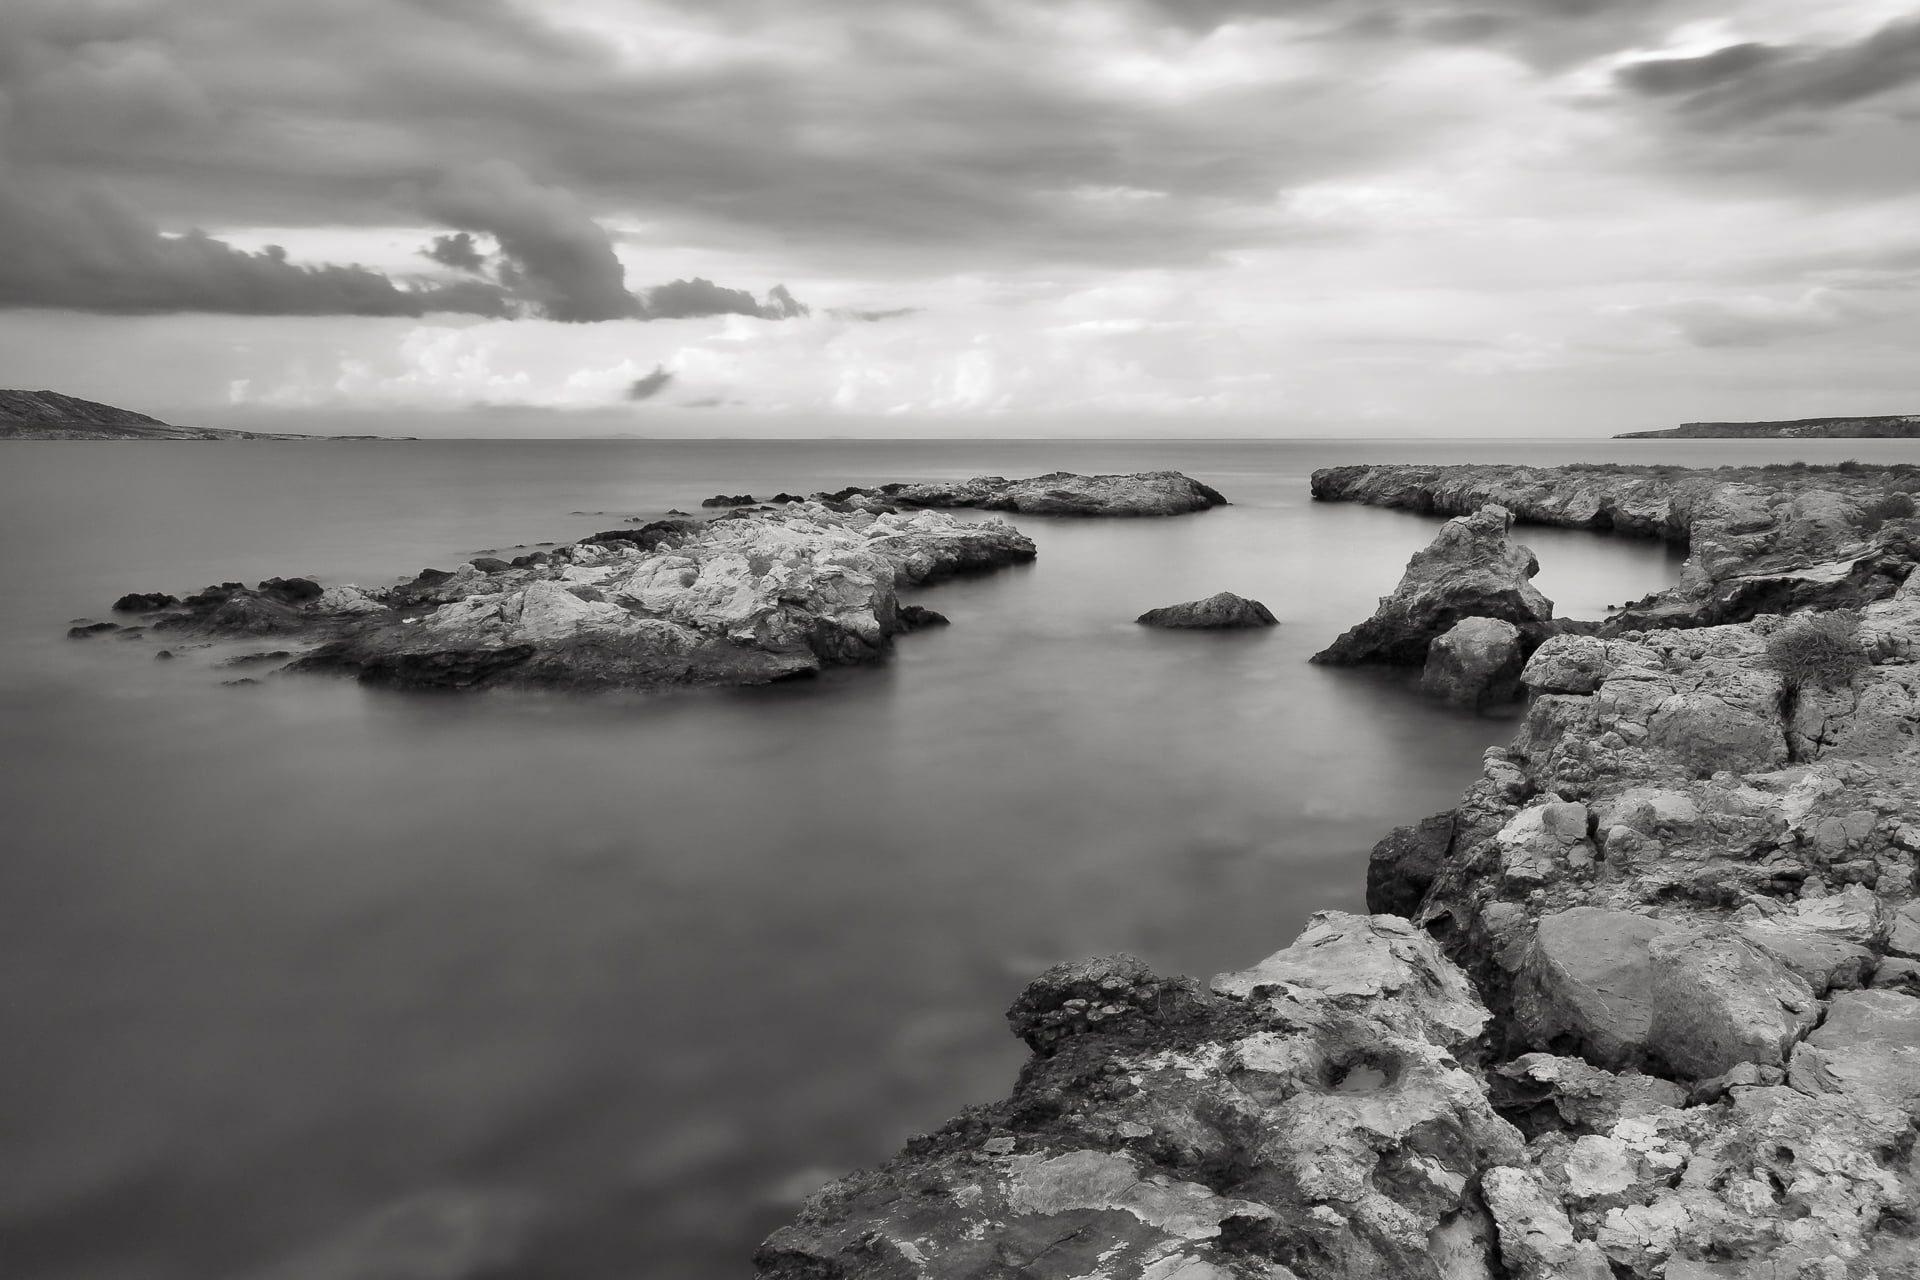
[1897, 426]
[49, 415]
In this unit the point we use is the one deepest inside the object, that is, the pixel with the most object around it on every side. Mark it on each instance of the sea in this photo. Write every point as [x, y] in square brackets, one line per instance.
[301, 980]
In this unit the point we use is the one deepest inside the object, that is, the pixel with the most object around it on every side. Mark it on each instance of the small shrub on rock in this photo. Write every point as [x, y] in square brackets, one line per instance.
[1893, 505]
[1818, 650]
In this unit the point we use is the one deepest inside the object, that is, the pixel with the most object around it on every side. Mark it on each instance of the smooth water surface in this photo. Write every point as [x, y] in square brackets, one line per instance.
[304, 981]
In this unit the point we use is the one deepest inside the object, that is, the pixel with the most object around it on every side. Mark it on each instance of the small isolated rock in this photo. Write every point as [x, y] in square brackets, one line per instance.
[722, 500]
[1474, 663]
[915, 616]
[88, 630]
[1222, 611]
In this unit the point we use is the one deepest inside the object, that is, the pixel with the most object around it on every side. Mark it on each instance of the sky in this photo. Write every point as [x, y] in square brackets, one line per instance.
[996, 217]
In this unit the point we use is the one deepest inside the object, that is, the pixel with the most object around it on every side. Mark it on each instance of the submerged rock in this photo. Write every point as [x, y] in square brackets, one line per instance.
[1059, 493]
[1220, 611]
[1471, 570]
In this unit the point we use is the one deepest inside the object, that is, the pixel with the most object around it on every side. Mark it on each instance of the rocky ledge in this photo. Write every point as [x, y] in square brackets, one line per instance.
[1059, 493]
[1654, 1011]
[742, 599]
[1760, 539]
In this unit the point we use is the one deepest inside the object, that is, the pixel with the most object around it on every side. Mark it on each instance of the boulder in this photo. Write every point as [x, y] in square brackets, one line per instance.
[1220, 611]
[1586, 982]
[1567, 664]
[1474, 663]
[1718, 1001]
[1472, 569]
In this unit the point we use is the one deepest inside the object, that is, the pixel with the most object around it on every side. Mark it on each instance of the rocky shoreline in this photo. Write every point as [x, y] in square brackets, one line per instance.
[760, 593]
[1645, 1004]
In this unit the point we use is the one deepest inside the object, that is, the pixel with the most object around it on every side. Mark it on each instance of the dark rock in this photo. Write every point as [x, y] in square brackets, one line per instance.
[722, 500]
[1221, 611]
[163, 655]
[528, 561]
[147, 602]
[290, 590]
[1059, 493]
[784, 497]
[432, 577]
[240, 683]
[675, 511]
[491, 564]
[88, 630]
[1403, 866]
[915, 617]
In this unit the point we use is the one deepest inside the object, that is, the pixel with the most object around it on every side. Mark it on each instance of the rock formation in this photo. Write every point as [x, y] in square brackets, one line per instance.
[1682, 1040]
[1471, 570]
[743, 599]
[1220, 611]
[1762, 539]
[1059, 493]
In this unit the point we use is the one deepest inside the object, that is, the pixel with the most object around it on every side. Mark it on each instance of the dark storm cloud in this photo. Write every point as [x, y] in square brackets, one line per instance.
[561, 258]
[651, 385]
[89, 252]
[1746, 83]
[458, 251]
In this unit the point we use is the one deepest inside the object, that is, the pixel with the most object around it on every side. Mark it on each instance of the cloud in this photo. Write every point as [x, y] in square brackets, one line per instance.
[458, 251]
[684, 299]
[645, 388]
[1738, 85]
[558, 256]
[88, 251]
[1759, 320]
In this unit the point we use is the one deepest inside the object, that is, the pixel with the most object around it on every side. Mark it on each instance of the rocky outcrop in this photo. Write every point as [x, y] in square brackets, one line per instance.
[1685, 900]
[1220, 611]
[1475, 662]
[1316, 1115]
[1471, 570]
[1762, 539]
[743, 599]
[1059, 493]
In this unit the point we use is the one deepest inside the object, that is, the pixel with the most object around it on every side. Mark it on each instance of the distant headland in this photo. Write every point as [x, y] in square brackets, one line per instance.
[49, 415]
[1898, 426]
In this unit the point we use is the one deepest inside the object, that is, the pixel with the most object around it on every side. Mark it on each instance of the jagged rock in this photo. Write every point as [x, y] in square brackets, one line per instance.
[1471, 570]
[722, 500]
[1220, 611]
[1583, 1096]
[1719, 1001]
[1314, 1121]
[1869, 1043]
[1059, 493]
[1536, 1240]
[88, 630]
[1475, 662]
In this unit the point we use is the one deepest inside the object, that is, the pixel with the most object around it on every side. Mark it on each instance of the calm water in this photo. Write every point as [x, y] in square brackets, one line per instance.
[307, 982]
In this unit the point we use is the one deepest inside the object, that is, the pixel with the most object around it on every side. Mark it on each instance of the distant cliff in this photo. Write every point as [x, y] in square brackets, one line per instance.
[48, 415]
[1886, 427]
